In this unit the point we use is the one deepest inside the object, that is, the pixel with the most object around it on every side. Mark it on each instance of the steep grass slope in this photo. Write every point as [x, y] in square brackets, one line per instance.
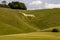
[12, 21]
[44, 19]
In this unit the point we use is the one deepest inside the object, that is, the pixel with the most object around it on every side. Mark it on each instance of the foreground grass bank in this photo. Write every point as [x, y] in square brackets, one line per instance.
[32, 36]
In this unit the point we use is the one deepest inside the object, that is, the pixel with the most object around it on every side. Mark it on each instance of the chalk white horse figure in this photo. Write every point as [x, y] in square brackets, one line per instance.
[31, 15]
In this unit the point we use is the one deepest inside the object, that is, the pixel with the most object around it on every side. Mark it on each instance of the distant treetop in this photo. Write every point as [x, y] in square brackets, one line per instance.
[14, 5]
[17, 5]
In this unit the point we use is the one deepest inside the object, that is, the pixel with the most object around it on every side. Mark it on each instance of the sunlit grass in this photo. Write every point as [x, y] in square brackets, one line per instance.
[32, 36]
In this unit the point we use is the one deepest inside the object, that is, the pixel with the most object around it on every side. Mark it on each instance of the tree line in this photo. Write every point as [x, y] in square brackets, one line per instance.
[14, 5]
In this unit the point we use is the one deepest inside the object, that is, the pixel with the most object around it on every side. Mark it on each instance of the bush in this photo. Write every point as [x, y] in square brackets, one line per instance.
[4, 6]
[17, 5]
[55, 30]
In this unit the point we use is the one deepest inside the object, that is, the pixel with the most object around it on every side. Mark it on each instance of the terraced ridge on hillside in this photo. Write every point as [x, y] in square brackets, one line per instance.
[11, 21]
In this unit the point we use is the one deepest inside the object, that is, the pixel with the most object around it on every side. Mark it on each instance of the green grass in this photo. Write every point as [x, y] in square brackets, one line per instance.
[13, 22]
[32, 36]
[15, 26]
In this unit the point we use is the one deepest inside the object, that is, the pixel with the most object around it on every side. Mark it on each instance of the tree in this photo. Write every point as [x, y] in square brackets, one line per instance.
[55, 30]
[4, 2]
[17, 5]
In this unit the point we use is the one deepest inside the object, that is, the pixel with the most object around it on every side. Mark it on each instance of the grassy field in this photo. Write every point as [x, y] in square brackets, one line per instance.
[32, 36]
[15, 26]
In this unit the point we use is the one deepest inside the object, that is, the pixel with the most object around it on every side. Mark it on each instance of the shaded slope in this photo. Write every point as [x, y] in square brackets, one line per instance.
[13, 21]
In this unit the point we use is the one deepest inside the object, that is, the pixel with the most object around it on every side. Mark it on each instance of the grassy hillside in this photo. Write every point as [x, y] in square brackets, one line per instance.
[12, 22]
